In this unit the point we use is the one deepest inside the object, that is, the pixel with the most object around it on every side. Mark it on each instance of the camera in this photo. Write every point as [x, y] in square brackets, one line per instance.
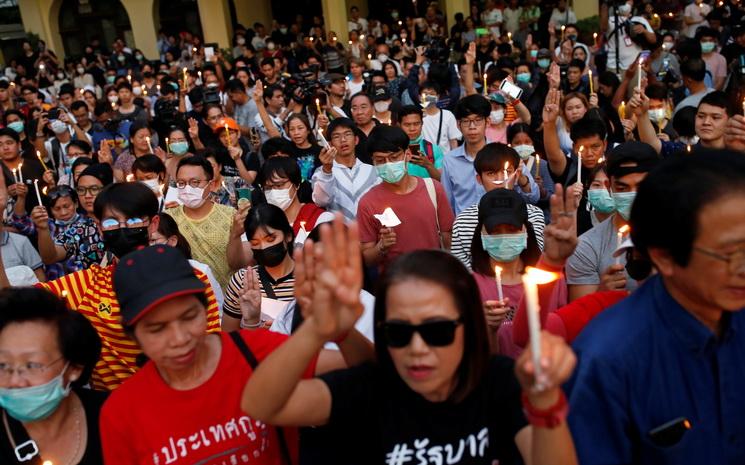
[306, 82]
[437, 50]
[166, 110]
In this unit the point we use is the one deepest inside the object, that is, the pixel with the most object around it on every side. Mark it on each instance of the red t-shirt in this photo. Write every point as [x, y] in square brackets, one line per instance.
[308, 214]
[418, 228]
[146, 421]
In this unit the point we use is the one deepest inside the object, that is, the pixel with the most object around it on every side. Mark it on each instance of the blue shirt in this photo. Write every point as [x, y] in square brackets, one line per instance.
[647, 361]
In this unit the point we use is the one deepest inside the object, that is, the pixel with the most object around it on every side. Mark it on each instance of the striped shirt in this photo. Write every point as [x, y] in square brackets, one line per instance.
[465, 224]
[284, 290]
[342, 189]
[91, 293]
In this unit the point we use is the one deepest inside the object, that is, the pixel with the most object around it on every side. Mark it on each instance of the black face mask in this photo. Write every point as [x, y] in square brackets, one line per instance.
[271, 256]
[638, 269]
[122, 241]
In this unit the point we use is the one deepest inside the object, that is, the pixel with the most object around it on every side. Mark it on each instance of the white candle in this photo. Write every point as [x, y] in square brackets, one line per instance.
[589, 73]
[504, 171]
[531, 279]
[149, 145]
[498, 274]
[36, 186]
[641, 61]
[15, 176]
[619, 240]
[579, 164]
[20, 172]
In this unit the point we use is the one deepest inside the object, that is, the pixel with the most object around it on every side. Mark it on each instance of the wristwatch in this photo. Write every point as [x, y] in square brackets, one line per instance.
[549, 418]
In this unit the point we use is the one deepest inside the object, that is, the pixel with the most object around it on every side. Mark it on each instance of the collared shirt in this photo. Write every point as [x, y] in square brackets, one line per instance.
[342, 189]
[420, 171]
[647, 361]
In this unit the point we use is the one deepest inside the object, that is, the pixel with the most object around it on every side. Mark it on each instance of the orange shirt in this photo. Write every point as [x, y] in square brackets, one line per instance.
[91, 293]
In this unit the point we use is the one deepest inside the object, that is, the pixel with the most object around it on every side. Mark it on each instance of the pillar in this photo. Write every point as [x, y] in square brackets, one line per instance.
[216, 23]
[585, 8]
[450, 7]
[142, 19]
[248, 12]
[335, 14]
[41, 17]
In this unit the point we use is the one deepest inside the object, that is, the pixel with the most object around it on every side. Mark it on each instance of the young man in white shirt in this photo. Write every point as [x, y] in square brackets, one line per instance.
[439, 126]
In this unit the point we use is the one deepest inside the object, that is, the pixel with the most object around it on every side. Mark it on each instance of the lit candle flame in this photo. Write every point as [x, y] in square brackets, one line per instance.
[539, 276]
[130, 177]
[624, 229]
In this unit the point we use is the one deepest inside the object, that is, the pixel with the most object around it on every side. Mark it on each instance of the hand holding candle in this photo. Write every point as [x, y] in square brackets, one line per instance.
[36, 187]
[579, 163]
[531, 279]
[498, 276]
[622, 231]
[486, 88]
[318, 106]
[589, 75]
[44, 165]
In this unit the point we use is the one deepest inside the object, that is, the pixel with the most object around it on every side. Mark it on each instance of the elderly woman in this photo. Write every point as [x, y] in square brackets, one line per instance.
[47, 353]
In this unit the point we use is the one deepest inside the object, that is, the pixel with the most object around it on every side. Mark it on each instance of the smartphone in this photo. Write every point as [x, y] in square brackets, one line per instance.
[511, 89]
[243, 194]
[53, 114]
[644, 55]
[414, 149]
[481, 31]
[209, 51]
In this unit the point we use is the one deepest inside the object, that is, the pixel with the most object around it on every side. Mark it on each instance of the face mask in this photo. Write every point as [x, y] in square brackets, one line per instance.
[380, 107]
[533, 53]
[240, 41]
[544, 63]
[429, 100]
[191, 197]
[504, 247]
[707, 47]
[121, 58]
[179, 148]
[270, 46]
[382, 58]
[60, 76]
[122, 241]
[112, 98]
[523, 77]
[212, 85]
[139, 57]
[81, 70]
[271, 256]
[667, 46]
[153, 184]
[394, 14]
[391, 172]
[58, 126]
[496, 116]
[623, 202]
[601, 200]
[572, 37]
[67, 222]
[35, 402]
[624, 9]
[279, 197]
[17, 126]
[110, 79]
[638, 269]
[657, 114]
[524, 151]
[283, 30]
[137, 90]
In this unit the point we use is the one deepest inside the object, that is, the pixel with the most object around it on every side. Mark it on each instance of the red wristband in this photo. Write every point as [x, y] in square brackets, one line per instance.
[548, 418]
[548, 267]
[343, 337]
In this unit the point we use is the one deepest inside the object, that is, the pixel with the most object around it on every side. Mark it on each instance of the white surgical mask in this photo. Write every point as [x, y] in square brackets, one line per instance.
[657, 115]
[153, 184]
[667, 46]
[382, 57]
[270, 45]
[191, 197]
[58, 126]
[113, 98]
[380, 107]
[283, 30]
[524, 151]
[81, 70]
[137, 90]
[240, 41]
[624, 9]
[279, 197]
[497, 116]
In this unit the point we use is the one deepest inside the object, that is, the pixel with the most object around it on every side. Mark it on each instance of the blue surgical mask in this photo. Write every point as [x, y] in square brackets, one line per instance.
[67, 222]
[523, 77]
[623, 202]
[533, 53]
[179, 148]
[36, 402]
[707, 47]
[17, 126]
[544, 63]
[110, 79]
[601, 200]
[524, 151]
[391, 172]
[504, 247]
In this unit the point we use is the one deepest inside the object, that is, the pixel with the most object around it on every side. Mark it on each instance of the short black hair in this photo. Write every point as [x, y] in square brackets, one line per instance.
[66, 89]
[341, 123]
[82, 145]
[275, 145]
[588, 126]
[10, 133]
[386, 139]
[167, 226]
[577, 63]
[78, 340]
[656, 90]
[472, 105]
[705, 31]
[685, 185]
[136, 126]
[361, 94]
[693, 68]
[197, 161]
[717, 99]
[266, 214]
[518, 128]
[149, 164]
[493, 156]
[267, 61]
[78, 104]
[132, 199]
[269, 91]
[684, 121]
[124, 85]
[235, 85]
[283, 167]
[407, 110]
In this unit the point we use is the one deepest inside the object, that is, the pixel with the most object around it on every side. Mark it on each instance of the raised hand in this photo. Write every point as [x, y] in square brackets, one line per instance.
[104, 153]
[250, 297]
[554, 75]
[613, 279]
[40, 218]
[560, 236]
[193, 129]
[557, 364]
[551, 107]
[471, 54]
[327, 157]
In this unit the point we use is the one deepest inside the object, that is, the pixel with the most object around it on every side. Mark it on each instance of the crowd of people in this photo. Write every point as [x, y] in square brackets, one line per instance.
[502, 237]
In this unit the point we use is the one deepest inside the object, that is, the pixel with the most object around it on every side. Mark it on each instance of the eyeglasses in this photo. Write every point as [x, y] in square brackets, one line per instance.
[60, 191]
[343, 136]
[392, 157]
[735, 261]
[195, 183]
[92, 190]
[29, 370]
[110, 224]
[475, 122]
[438, 333]
[279, 185]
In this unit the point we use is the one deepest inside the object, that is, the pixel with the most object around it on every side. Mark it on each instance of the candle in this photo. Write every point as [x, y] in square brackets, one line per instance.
[185, 76]
[318, 106]
[579, 163]
[601, 160]
[199, 75]
[531, 279]
[504, 172]
[227, 134]
[369, 57]
[498, 275]
[20, 171]
[622, 110]
[350, 42]
[130, 177]
[36, 186]
[302, 225]
[44, 165]
[589, 72]
[688, 148]
[157, 86]
[149, 145]
[641, 62]
[562, 32]
[509, 37]
[15, 176]
[362, 37]
[619, 240]
[595, 38]
[144, 92]
[168, 148]
[670, 14]
[323, 139]
[485, 86]
[537, 163]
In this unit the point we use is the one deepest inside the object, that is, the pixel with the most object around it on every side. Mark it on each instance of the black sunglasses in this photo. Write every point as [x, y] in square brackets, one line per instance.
[60, 191]
[438, 333]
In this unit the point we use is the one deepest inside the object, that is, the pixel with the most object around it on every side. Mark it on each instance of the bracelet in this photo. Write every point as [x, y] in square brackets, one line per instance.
[253, 326]
[516, 102]
[547, 418]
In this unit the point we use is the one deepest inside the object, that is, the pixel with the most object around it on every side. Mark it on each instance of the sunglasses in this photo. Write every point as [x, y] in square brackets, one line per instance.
[60, 191]
[438, 333]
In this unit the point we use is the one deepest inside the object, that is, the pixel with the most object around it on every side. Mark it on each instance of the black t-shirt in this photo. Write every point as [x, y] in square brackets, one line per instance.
[387, 422]
[307, 159]
[92, 402]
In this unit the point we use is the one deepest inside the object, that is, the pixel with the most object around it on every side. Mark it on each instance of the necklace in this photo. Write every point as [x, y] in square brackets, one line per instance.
[75, 456]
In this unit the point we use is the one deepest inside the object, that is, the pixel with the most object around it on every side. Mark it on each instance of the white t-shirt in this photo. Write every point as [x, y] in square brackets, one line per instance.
[491, 17]
[629, 50]
[560, 18]
[360, 25]
[354, 87]
[696, 12]
[449, 129]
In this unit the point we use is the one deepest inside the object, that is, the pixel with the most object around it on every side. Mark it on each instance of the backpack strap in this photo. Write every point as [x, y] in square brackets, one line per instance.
[266, 282]
[25, 449]
[439, 129]
[430, 185]
[429, 150]
[253, 363]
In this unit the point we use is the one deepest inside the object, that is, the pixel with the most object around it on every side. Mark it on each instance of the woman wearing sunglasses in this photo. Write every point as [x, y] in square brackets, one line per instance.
[68, 241]
[434, 393]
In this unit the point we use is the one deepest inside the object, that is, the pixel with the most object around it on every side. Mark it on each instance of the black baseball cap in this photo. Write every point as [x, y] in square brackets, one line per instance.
[631, 157]
[380, 93]
[502, 206]
[150, 276]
